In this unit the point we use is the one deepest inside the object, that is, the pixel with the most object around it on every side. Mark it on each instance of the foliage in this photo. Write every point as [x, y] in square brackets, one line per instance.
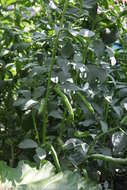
[63, 85]
[27, 177]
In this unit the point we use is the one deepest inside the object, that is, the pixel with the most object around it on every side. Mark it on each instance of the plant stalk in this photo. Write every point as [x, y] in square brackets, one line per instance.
[62, 126]
[106, 110]
[12, 155]
[108, 159]
[45, 116]
[35, 127]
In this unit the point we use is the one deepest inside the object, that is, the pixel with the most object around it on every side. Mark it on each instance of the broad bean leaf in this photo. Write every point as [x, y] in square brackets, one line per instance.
[8, 2]
[25, 177]
[28, 143]
[88, 4]
[41, 154]
[87, 123]
[67, 50]
[77, 150]
[83, 32]
[104, 126]
[98, 47]
[29, 104]
[56, 114]
[95, 73]
[119, 142]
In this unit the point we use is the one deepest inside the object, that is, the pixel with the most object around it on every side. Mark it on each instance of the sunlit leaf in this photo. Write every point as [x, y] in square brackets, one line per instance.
[119, 141]
[25, 177]
[29, 104]
[8, 2]
[40, 153]
[28, 143]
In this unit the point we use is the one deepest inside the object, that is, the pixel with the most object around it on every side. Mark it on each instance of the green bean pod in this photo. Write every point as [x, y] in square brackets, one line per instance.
[55, 157]
[86, 103]
[65, 101]
[41, 107]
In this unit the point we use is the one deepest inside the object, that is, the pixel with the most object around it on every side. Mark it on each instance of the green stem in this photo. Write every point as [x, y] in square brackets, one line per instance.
[106, 110]
[12, 155]
[35, 127]
[81, 4]
[85, 52]
[45, 116]
[87, 45]
[108, 158]
[55, 157]
[63, 14]
[62, 126]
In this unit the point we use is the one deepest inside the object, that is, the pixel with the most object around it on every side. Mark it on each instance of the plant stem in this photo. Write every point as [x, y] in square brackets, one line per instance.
[35, 127]
[106, 110]
[85, 52]
[108, 158]
[12, 155]
[63, 14]
[62, 126]
[87, 45]
[45, 116]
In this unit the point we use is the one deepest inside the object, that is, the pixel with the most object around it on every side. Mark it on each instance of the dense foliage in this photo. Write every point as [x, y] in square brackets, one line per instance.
[63, 92]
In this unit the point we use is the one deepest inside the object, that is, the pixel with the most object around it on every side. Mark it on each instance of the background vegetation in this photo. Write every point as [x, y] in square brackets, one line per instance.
[63, 93]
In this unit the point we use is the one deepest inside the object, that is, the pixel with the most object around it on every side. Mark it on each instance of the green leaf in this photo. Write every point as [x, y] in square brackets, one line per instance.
[20, 102]
[104, 126]
[124, 120]
[122, 92]
[38, 92]
[77, 150]
[41, 154]
[86, 33]
[98, 46]
[25, 177]
[28, 143]
[70, 87]
[80, 134]
[24, 103]
[118, 110]
[29, 104]
[56, 114]
[67, 50]
[83, 32]
[87, 123]
[119, 142]
[25, 93]
[95, 72]
[7, 2]
[89, 4]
